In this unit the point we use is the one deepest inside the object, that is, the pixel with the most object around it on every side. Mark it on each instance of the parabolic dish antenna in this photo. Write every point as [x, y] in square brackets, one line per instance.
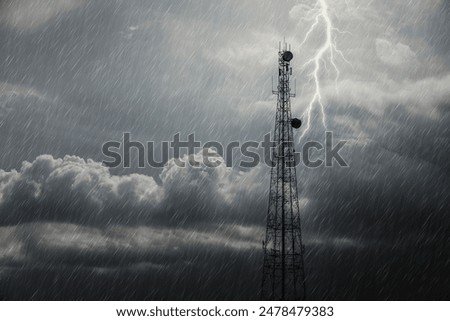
[296, 123]
[287, 56]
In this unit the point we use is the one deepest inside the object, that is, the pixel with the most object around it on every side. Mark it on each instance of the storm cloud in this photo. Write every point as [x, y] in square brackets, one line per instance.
[75, 74]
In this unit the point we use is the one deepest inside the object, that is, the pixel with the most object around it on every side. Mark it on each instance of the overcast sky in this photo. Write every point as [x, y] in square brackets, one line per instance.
[75, 74]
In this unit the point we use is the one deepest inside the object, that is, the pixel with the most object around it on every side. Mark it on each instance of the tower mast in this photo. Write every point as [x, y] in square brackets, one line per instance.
[283, 270]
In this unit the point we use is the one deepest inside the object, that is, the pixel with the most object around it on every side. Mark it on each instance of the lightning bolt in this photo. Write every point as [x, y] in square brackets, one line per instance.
[326, 54]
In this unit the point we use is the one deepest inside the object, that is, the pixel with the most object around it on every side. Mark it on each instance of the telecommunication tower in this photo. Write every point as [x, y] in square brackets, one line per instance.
[283, 271]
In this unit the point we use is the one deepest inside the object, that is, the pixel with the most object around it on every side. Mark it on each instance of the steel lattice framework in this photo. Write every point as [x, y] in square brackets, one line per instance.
[284, 277]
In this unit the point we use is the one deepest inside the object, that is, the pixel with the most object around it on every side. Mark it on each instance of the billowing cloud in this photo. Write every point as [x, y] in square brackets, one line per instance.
[74, 190]
[47, 188]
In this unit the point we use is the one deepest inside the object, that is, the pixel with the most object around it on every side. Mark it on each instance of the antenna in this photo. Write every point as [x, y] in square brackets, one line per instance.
[275, 92]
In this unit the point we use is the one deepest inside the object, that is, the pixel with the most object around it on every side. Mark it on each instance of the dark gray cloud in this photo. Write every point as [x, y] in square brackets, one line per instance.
[75, 74]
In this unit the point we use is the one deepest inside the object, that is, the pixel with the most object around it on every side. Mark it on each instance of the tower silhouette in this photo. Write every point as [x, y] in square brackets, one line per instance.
[283, 270]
